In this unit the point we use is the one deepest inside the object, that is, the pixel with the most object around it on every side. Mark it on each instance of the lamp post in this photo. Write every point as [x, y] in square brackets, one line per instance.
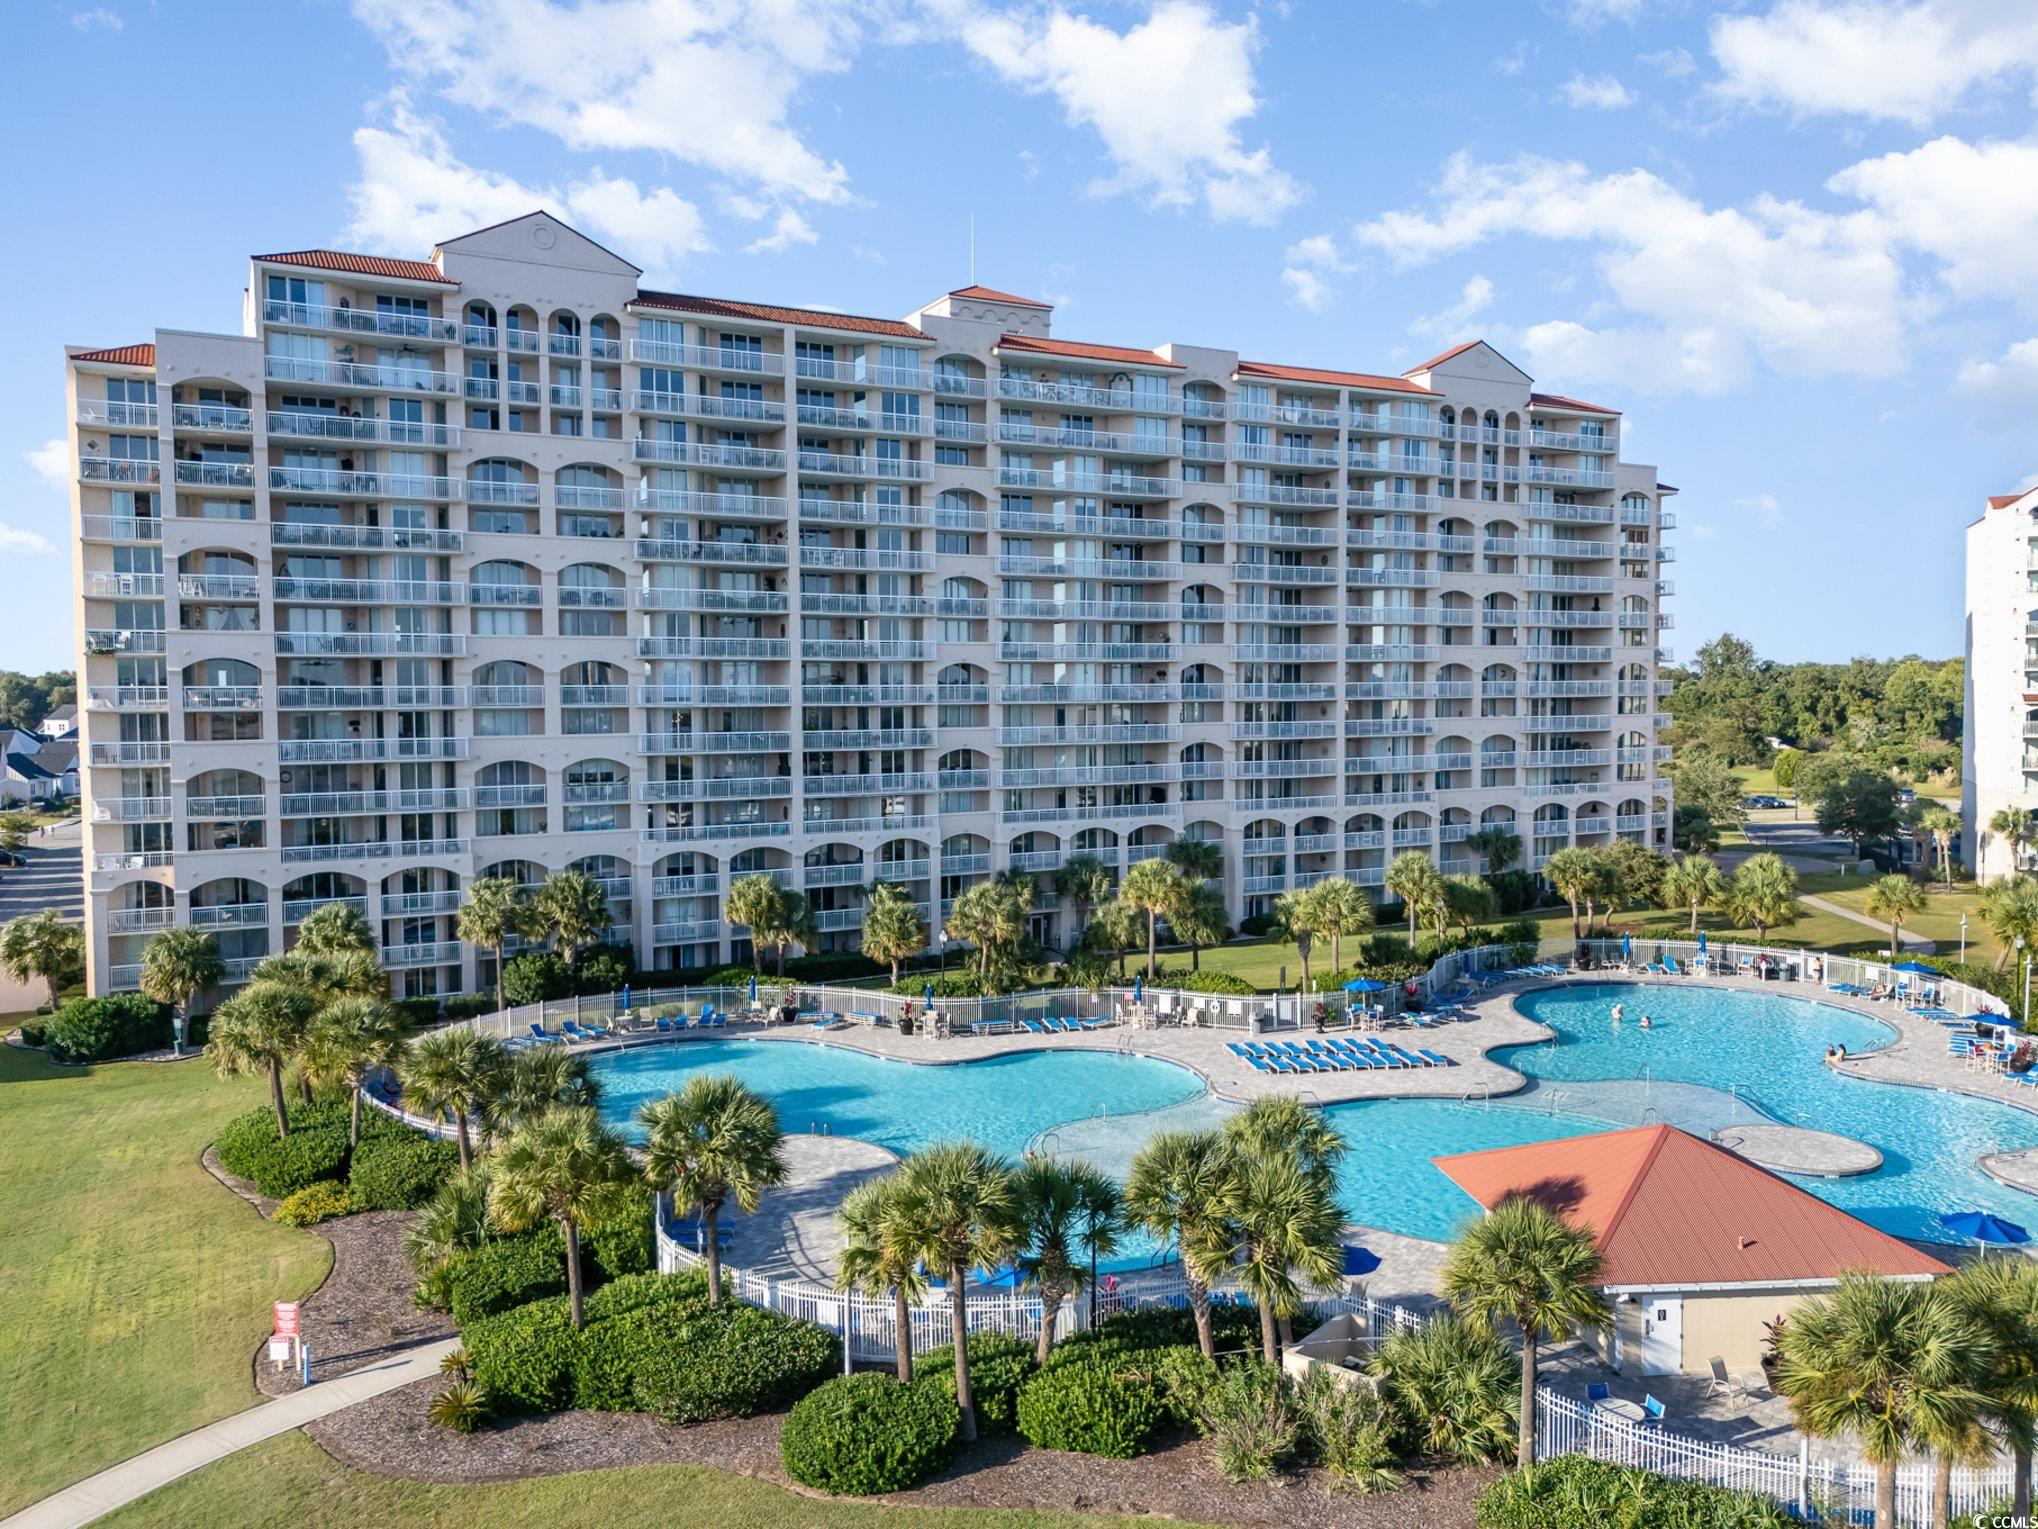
[1963, 939]
[2027, 981]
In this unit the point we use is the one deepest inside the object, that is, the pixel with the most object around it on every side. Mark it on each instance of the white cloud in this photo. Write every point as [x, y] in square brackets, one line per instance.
[707, 84]
[1974, 207]
[1763, 506]
[1308, 289]
[97, 18]
[1707, 292]
[1169, 97]
[2007, 387]
[1600, 93]
[23, 543]
[1513, 63]
[52, 463]
[1591, 13]
[1311, 262]
[1675, 62]
[1702, 533]
[787, 230]
[1888, 60]
[1473, 301]
[412, 189]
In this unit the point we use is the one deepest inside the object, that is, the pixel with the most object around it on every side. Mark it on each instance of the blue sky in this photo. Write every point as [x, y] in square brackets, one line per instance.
[1792, 239]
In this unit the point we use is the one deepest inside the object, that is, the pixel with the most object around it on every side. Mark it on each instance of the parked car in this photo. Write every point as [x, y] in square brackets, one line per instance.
[1906, 796]
[9, 857]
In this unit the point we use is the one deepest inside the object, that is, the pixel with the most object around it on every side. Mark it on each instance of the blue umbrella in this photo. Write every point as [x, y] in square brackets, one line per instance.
[930, 995]
[1915, 966]
[1978, 1226]
[1359, 1261]
[1701, 942]
[1627, 947]
[1365, 985]
[626, 995]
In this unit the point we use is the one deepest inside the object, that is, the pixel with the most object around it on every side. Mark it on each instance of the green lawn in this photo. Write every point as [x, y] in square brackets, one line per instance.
[291, 1483]
[1940, 922]
[135, 1285]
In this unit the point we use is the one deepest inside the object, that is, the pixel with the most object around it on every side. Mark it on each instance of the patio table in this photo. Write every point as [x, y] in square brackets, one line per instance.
[1621, 1407]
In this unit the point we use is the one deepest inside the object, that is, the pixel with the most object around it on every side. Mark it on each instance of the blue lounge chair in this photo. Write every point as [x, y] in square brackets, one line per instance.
[1652, 1411]
[539, 1034]
[663, 1023]
[696, 1232]
[572, 1031]
[1034, 1027]
[1435, 1059]
[710, 1020]
[1261, 1064]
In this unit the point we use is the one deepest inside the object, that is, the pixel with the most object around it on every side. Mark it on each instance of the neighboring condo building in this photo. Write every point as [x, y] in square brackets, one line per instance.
[500, 565]
[1999, 737]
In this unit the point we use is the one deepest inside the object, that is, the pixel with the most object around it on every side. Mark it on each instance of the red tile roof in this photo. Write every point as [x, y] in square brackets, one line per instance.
[767, 313]
[993, 295]
[119, 355]
[361, 265]
[1078, 350]
[1672, 1211]
[1559, 401]
[2004, 501]
[1455, 350]
[1361, 380]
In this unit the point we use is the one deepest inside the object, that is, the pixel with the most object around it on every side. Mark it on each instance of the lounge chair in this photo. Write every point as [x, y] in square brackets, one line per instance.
[710, 1020]
[1034, 1026]
[664, 1023]
[1652, 1411]
[696, 1232]
[573, 1032]
[539, 1034]
[1597, 1392]
[1435, 1059]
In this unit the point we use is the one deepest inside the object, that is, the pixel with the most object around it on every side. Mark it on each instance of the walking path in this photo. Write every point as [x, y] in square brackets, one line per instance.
[121, 1484]
[1917, 942]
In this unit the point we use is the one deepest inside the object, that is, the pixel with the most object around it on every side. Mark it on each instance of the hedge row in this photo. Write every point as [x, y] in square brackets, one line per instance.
[395, 1167]
[651, 1343]
[507, 1272]
[1574, 1492]
[97, 1029]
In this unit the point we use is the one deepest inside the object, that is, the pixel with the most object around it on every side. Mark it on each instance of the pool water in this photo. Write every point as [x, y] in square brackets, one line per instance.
[1711, 1057]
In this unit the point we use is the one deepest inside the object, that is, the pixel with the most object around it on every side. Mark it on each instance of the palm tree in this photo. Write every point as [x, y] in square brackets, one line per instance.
[566, 1168]
[455, 1073]
[258, 1030]
[2016, 825]
[992, 916]
[1417, 883]
[1500, 845]
[1694, 882]
[1574, 872]
[1523, 1263]
[454, 1222]
[1284, 1229]
[2009, 906]
[540, 1079]
[1066, 1211]
[1119, 925]
[893, 928]
[1295, 918]
[1282, 1129]
[756, 903]
[325, 980]
[1085, 881]
[1157, 889]
[496, 909]
[574, 909]
[352, 1039]
[1341, 910]
[1201, 920]
[1942, 826]
[879, 1256]
[1889, 1362]
[43, 945]
[178, 965]
[1198, 859]
[957, 1213]
[333, 928]
[1280, 1125]
[1177, 1182]
[1894, 898]
[1763, 894]
[712, 1142]
[2000, 1297]
[1469, 900]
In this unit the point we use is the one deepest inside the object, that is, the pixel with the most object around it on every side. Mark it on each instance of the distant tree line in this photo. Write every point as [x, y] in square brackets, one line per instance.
[25, 699]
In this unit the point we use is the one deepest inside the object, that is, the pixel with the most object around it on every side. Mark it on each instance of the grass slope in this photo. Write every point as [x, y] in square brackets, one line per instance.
[135, 1285]
[291, 1483]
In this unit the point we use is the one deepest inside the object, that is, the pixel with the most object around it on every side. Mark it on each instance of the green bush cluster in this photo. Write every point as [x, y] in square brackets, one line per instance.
[998, 1366]
[1575, 1492]
[117, 1025]
[506, 1272]
[1094, 1405]
[651, 1343]
[315, 1149]
[604, 969]
[468, 1005]
[399, 1172]
[1228, 983]
[536, 976]
[418, 1013]
[315, 1203]
[863, 1434]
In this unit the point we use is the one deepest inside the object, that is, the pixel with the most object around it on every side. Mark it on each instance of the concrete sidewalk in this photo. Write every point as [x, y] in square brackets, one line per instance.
[118, 1485]
[1917, 942]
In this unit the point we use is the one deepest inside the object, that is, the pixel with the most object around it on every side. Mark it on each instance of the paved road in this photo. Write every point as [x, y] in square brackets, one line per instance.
[53, 878]
[99, 1495]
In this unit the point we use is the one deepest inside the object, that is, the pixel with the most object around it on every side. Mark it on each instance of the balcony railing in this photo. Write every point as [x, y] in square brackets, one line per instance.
[412, 326]
[357, 375]
[710, 358]
[119, 470]
[306, 424]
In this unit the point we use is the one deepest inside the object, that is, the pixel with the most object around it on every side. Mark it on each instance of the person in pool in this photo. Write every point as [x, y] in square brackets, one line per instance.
[1616, 1013]
[1646, 1022]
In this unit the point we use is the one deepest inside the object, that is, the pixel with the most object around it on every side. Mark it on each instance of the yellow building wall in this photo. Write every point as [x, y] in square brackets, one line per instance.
[1731, 1326]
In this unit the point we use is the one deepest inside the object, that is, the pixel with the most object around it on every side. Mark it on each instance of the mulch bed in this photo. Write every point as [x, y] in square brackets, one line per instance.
[389, 1436]
[363, 1311]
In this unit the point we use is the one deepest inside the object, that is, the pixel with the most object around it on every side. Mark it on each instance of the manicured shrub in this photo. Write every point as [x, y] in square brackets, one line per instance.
[624, 1241]
[681, 1294]
[506, 1272]
[535, 976]
[400, 1172]
[1257, 925]
[604, 969]
[998, 1366]
[862, 1434]
[469, 1005]
[1576, 1492]
[607, 1353]
[1455, 1386]
[1252, 1421]
[279, 1169]
[1185, 1379]
[117, 1025]
[1150, 1329]
[315, 1203]
[733, 1361]
[523, 1358]
[32, 1033]
[418, 1013]
[1092, 1408]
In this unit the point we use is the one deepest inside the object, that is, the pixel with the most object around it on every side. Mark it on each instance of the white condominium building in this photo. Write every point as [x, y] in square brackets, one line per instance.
[499, 564]
[1999, 739]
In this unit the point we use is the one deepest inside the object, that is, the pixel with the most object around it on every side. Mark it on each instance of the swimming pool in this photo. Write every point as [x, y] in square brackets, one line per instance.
[1711, 1056]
